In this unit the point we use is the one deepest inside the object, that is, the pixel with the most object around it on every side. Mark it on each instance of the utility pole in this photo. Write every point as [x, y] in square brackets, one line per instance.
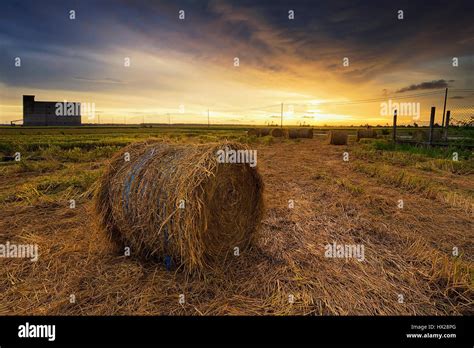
[444, 109]
[281, 117]
[208, 123]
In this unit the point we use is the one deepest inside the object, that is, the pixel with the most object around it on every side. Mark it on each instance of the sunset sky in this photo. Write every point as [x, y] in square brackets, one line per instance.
[185, 67]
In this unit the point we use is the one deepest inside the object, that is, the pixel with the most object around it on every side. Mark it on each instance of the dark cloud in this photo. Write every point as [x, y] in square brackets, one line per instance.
[258, 31]
[425, 85]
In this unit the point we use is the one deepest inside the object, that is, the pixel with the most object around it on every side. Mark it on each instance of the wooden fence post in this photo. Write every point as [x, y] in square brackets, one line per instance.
[448, 116]
[432, 118]
[444, 108]
[394, 126]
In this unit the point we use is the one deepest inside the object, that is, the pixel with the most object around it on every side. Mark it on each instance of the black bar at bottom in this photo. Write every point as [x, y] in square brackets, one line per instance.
[134, 330]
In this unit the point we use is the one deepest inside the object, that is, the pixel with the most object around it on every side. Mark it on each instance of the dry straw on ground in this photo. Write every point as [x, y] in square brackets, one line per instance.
[337, 138]
[178, 203]
[366, 133]
[294, 133]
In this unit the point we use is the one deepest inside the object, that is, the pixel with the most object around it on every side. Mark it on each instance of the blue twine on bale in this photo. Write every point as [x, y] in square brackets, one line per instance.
[131, 177]
[168, 260]
[126, 195]
[168, 263]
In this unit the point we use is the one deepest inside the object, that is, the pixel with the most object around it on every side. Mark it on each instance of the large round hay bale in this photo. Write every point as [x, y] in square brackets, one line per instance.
[294, 133]
[423, 135]
[366, 133]
[337, 138]
[253, 132]
[179, 203]
[277, 132]
[265, 131]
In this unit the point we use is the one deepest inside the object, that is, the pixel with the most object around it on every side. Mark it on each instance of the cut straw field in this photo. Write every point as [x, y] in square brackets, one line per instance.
[312, 198]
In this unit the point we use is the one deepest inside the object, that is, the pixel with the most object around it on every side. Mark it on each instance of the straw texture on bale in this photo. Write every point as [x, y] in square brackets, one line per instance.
[139, 203]
[337, 138]
[265, 131]
[423, 135]
[366, 133]
[294, 133]
[277, 132]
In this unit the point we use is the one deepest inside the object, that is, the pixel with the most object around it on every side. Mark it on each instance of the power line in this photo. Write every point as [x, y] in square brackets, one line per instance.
[373, 100]
[250, 108]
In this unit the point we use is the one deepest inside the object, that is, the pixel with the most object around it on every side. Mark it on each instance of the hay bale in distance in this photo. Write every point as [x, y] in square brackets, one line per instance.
[262, 132]
[253, 132]
[140, 203]
[277, 132]
[423, 135]
[294, 133]
[366, 133]
[337, 138]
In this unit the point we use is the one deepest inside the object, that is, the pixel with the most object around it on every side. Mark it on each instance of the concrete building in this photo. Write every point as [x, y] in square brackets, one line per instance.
[45, 113]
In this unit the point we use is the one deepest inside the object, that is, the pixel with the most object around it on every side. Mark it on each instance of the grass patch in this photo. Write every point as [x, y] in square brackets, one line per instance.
[320, 175]
[353, 189]
[425, 158]
[26, 166]
[400, 178]
[267, 140]
[434, 152]
[54, 186]
[446, 165]
[77, 154]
